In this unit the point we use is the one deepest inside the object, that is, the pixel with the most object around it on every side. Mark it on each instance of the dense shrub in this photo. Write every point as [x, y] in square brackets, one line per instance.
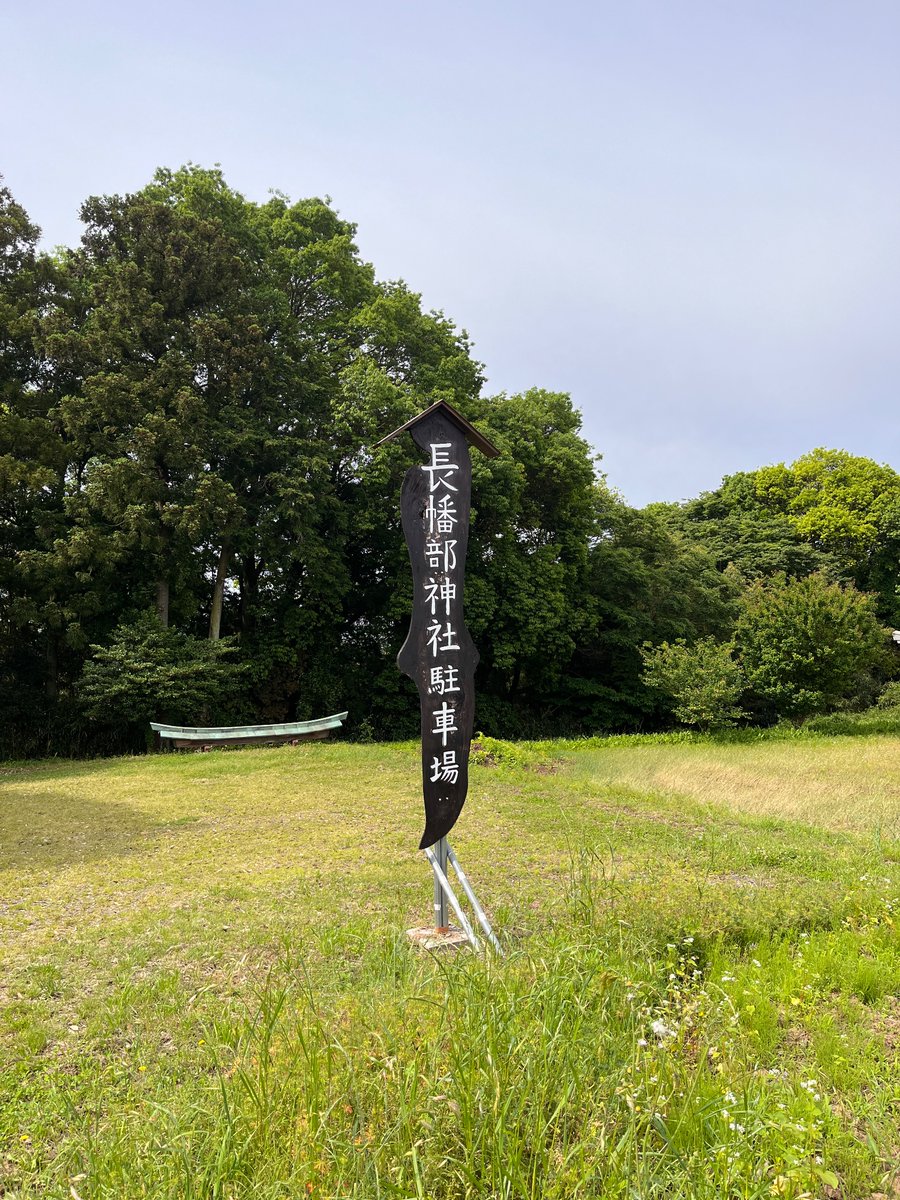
[702, 681]
[150, 673]
[807, 645]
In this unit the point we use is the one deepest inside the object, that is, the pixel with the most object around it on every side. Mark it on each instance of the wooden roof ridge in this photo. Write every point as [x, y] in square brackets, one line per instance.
[477, 439]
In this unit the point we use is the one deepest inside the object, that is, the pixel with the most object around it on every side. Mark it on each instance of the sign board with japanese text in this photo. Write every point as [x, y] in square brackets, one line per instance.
[439, 654]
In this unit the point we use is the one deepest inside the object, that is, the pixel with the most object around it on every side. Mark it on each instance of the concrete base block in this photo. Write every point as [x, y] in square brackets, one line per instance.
[429, 938]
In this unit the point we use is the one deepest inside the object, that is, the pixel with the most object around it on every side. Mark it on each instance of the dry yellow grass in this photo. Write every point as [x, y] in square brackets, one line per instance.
[840, 784]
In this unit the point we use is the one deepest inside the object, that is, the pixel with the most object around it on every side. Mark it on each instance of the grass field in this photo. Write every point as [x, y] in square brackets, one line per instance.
[206, 989]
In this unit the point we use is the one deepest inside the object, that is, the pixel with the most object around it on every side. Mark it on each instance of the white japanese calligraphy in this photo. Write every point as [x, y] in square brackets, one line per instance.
[445, 768]
[440, 638]
[441, 555]
[444, 722]
[439, 591]
[443, 679]
[441, 516]
[440, 466]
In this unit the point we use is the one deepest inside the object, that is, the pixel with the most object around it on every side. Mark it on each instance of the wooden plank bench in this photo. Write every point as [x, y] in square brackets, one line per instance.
[188, 737]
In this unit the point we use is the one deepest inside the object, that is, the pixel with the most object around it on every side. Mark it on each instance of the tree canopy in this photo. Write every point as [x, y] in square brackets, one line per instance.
[189, 405]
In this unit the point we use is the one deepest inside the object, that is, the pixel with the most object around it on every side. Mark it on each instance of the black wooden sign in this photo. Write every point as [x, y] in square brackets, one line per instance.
[438, 654]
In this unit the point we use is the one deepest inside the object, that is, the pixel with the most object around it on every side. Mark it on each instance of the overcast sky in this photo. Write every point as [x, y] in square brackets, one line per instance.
[684, 213]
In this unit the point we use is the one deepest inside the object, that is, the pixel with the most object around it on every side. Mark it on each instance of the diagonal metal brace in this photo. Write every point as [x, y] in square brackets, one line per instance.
[448, 891]
[473, 900]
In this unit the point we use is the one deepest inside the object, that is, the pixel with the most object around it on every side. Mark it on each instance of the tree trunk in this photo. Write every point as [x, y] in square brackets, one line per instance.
[218, 596]
[162, 602]
[249, 585]
[516, 680]
[52, 677]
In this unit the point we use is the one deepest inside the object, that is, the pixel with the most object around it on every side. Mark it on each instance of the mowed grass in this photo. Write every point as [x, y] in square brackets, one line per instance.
[207, 991]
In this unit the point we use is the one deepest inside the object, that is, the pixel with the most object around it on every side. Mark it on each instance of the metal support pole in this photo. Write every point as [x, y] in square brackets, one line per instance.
[439, 849]
[473, 900]
[448, 891]
[440, 855]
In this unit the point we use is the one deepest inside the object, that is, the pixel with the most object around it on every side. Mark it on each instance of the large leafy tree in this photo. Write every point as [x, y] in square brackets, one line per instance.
[221, 366]
[846, 506]
[739, 531]
[535, 513]
[651, 585]
[32, 469]
[829, 512]
[159, 332]
[808, 645]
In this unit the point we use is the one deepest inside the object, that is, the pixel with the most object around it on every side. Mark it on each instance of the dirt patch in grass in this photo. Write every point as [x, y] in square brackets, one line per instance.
[734, 879]
[885, 1022]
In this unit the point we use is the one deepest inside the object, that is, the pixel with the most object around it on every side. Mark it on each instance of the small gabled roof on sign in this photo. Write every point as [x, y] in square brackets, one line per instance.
[441, 406]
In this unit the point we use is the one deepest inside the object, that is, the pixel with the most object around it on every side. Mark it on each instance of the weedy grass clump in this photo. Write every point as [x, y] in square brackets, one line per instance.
[208, 991]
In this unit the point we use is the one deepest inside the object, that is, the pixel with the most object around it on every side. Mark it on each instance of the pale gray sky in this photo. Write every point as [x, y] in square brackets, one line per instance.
[683, 212]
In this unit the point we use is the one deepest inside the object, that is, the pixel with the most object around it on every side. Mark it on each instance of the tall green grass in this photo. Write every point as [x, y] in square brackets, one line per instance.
[596, 1060]
[207, 992]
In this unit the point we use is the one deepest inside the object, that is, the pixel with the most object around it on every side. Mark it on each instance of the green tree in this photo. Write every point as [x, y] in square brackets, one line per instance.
[703, 681]
[650, 584]
[847, 506]
[829, 512]
[33, 462]
[807, 645]
[159, 333]
[230, 361]
[535, 512]
[738, 531]
[146, 672]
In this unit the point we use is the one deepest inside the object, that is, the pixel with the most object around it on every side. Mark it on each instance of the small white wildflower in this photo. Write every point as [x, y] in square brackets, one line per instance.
[729, 1097]
[756, 962]
[642, 1041]
[661, 1030]
[728, 979]
[688, 941]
